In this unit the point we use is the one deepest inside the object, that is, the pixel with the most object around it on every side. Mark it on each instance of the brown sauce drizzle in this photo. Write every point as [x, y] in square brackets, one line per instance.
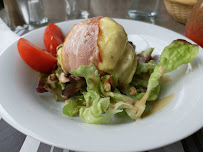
[158, 105]
[165, 78]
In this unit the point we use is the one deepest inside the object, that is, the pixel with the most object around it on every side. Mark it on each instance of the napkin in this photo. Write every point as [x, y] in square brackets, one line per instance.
[7, 36]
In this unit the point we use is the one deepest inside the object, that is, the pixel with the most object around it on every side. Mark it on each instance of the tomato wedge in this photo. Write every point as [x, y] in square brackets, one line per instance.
[53, 37]
[36, 57]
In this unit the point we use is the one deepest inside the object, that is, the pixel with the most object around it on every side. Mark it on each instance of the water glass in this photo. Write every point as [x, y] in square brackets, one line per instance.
[14, 12]
[143, 8]
[77, 9]
[110, 8]
[36, 12]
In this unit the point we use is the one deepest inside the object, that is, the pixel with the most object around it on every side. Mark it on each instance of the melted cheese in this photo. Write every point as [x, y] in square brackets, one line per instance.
[59, 58]
[117, 54]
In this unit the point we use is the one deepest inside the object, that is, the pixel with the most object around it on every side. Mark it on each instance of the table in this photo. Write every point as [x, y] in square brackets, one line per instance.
[12, 140]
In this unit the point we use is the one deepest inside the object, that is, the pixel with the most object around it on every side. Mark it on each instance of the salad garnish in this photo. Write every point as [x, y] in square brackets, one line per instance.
[96, 93]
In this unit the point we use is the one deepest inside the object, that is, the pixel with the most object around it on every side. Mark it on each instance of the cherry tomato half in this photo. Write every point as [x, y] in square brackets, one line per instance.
[36, 57]
[53, 37]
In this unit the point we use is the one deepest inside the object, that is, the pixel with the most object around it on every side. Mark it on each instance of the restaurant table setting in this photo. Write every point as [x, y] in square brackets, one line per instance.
[34, 14]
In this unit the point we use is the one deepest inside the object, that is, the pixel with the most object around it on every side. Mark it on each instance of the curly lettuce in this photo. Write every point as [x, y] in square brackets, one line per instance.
[97, 108]
[99, 111]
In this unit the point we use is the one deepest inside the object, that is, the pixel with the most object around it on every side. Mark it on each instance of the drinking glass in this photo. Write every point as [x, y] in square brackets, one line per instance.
[15, 17]
[36, 12]
[77, 9]
[143, 8]
[110, 8]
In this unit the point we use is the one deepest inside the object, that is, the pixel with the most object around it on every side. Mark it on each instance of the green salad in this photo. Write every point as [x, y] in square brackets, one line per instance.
[97, 96]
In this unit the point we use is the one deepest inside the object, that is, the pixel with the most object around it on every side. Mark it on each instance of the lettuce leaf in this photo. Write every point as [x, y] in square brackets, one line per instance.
[116, 96]
[95, 113]
[97, 108]
[141, 77]
[140, 81]
[154, 93]
[177, 53]
[145, 55]
[145, 67]
[91, 75]
[115, 78]
[71, 108]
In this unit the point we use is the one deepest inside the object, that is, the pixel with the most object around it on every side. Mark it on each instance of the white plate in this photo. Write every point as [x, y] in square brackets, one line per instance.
[39, 116]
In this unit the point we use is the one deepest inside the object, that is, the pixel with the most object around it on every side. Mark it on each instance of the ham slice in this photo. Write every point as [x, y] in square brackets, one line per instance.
[81, 46]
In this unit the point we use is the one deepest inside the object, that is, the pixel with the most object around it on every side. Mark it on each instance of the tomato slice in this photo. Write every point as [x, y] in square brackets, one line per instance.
[36, 57]
[53, 37]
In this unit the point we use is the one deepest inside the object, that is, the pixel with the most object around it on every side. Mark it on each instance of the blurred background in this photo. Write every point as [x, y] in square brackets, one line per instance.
[32, 14]
[23, 16]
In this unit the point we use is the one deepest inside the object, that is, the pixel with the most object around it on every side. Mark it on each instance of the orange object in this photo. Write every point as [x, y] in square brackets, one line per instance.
[53, 37]
[36, 57]
[194, 26]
